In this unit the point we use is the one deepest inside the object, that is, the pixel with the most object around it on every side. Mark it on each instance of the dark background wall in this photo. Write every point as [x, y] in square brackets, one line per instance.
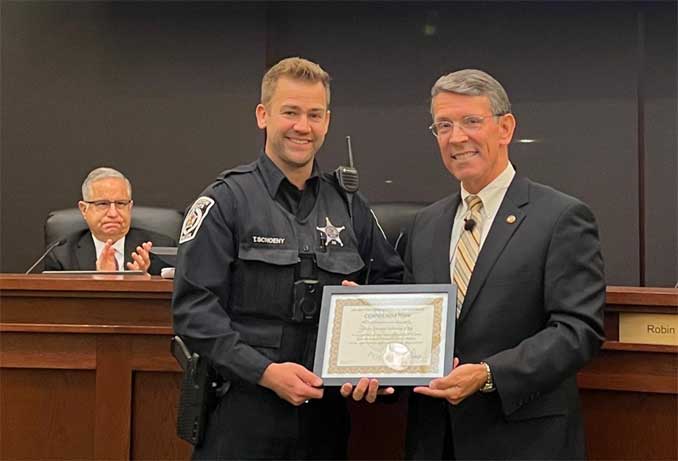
[166, 92]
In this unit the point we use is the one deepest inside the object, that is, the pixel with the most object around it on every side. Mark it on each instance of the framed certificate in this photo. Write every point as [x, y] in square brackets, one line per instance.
[403, 335]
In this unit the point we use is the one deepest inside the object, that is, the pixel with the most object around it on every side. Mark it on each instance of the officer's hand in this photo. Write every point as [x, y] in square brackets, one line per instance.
[141, 258]
[462, 381]
[106, 261]
[348, 283]
[292, 382]
[367, 389]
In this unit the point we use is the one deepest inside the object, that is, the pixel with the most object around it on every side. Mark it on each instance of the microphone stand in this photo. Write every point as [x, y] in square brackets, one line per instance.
[44, 255]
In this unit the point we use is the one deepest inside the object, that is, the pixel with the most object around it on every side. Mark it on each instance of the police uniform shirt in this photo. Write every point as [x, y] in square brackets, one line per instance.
[298, 202]
[204, 282]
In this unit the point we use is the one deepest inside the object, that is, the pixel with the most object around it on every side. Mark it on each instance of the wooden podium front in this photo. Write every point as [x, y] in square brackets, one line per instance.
[86, 369]
[630, 391]
[86, 373]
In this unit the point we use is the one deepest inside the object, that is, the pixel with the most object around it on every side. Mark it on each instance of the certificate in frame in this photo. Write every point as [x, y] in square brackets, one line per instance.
[402, 335]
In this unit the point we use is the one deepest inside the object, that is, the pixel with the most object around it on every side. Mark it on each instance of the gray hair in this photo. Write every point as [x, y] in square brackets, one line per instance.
[474, 82]
[99, 174]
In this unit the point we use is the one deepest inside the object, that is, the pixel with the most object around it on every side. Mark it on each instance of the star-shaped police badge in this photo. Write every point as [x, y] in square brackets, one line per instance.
[331, 233]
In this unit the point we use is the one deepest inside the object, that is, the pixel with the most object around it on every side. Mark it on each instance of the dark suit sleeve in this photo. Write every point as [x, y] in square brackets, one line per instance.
[64, 258]
[158, 240]
[574, 296]
[51, 263]
[408, 276]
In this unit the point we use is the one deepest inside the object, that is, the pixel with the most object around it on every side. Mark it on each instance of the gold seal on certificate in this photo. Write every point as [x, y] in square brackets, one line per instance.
[402, 335]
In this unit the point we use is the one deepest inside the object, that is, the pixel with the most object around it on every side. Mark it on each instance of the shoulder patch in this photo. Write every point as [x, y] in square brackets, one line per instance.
[194, 218]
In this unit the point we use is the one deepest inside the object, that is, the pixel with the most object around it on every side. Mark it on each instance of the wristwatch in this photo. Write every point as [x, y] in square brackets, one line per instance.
[489, 384]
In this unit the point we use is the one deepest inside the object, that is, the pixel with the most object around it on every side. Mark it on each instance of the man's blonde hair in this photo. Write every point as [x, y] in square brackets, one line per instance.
[296, 69]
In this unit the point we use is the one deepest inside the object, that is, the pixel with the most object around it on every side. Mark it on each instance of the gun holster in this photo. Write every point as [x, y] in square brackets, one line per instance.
[198, 392]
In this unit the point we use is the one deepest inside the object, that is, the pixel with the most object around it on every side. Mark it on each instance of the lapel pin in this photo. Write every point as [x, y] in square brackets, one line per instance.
[510, 219]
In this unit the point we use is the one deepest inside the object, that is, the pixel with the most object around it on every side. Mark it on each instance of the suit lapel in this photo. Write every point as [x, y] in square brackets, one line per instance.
[501, 232]
[441, 240]
[85, 253]
[133, 239]
[130, 246]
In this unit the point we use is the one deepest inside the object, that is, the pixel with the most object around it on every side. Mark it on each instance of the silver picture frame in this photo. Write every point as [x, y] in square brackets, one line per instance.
[402, 335]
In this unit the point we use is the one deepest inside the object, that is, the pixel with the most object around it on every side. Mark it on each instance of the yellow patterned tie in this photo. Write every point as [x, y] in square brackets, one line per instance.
[468, 246]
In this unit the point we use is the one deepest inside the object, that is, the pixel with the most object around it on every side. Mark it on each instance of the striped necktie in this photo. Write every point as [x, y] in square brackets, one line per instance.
[468, 246]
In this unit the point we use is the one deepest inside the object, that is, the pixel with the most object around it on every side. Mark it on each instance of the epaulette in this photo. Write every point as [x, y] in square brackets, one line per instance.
[240, 169]
[331, 178]
[347, 196]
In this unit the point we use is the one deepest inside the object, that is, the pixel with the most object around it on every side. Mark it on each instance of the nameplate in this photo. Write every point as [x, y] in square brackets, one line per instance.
[638, 328]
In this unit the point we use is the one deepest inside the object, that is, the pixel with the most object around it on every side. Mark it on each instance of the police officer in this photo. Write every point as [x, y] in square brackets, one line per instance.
[255, 251]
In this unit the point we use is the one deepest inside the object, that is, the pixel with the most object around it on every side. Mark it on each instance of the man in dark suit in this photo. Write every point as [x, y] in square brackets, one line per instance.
[526, 260]
[109, 243]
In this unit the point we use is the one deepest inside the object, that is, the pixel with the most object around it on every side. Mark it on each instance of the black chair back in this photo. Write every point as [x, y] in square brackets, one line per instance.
[395, 219]
[166, 221]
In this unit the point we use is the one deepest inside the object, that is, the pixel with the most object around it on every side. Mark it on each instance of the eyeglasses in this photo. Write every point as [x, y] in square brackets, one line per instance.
[467, 124]
[104, 205]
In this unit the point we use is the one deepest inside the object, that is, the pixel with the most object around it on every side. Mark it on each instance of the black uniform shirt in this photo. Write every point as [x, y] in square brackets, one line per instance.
[205, 261]
[298, 202]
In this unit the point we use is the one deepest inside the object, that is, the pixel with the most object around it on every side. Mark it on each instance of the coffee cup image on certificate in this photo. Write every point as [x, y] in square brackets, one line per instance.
[397, 356]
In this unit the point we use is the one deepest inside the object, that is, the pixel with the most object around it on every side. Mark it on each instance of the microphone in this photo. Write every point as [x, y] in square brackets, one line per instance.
[44, 255]
[469, 224]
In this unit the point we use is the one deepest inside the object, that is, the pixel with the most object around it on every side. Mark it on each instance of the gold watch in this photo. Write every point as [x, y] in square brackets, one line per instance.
[489, 384]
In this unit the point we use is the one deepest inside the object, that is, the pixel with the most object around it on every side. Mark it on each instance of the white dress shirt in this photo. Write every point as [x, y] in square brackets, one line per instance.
[492, 195]
[119, 248]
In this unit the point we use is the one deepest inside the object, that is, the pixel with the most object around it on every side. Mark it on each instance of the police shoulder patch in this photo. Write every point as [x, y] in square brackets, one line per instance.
[194, 218]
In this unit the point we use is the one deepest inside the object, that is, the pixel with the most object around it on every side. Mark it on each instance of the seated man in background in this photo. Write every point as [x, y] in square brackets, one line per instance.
[109, 243]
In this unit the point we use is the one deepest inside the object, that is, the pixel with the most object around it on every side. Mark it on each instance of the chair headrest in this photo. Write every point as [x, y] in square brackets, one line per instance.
[166, 221]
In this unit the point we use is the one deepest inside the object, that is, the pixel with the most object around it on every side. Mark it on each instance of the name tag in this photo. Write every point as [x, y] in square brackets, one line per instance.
[268, 240]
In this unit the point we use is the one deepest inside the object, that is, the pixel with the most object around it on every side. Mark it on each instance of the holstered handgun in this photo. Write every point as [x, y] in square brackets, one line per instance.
[198, 392]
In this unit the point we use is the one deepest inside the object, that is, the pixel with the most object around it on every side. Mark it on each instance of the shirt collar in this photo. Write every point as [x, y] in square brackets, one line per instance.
[501, 182]
[273, 177]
